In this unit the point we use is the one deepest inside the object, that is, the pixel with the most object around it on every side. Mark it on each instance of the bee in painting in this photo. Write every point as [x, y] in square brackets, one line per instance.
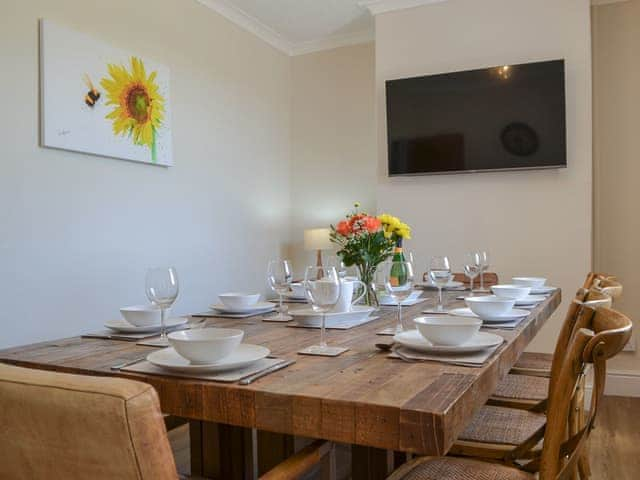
[93, 95]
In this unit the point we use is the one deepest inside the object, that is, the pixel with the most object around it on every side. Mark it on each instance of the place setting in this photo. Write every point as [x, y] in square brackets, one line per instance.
[345, 314]
[215, 354]
[451, 340]
[148, 324]
[238, 305]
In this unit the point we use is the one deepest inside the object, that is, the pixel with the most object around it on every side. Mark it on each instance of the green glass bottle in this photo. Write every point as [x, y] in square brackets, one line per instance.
[398, 274]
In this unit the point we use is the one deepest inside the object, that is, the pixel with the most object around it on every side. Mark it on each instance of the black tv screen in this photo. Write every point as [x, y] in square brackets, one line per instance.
[500, 118]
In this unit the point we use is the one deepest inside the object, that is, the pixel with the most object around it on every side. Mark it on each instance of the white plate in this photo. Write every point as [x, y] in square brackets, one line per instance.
[542, 290]
[258, 307]
[244, 355]
[306, 316]
[415, 341]
[530, 300]
[123, 326]
[514, 314]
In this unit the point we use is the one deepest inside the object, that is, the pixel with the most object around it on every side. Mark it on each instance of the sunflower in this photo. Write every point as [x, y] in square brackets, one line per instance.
[138, 106]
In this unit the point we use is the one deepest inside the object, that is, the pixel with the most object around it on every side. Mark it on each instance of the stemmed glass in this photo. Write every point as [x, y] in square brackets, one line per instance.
[322, 287]
[472, 267]
[336, 261]
[161, 287]
[399, 285]
[484, 266]
[440, 275]
[279, 277]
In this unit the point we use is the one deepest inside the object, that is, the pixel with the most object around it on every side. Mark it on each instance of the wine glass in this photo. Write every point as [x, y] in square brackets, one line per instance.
[440, 275]
[322, 287]
[279, 277]
[399, 285]
[336, 262]
[484, 266]
[161, 287]
[471, 267]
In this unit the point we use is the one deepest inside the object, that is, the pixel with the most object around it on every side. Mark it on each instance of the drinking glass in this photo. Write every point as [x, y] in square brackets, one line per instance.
[279, 277]
[336, 262]
[322, 287]
[471, 267]
[161, 287]
[399, 285]
[484, 266]
[440, 275]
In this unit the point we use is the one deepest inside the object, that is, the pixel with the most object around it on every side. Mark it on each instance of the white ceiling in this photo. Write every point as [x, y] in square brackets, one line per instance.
[309, 20]
[300, 26]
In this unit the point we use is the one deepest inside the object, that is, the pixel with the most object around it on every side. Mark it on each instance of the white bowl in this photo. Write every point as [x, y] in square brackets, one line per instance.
[143, 315]
[533, 282]
[511, 291]
[490, 306]
[298, 289]
[239, 300]
[445, 330]
[205, 345]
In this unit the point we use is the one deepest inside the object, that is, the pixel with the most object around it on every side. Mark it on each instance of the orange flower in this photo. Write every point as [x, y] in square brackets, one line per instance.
[371, 224]
[343, 228]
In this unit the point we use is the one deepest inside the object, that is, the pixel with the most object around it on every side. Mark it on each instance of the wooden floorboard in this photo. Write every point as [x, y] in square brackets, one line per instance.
[614, 448]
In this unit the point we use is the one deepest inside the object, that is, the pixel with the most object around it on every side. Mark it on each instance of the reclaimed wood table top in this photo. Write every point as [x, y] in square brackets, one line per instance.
[361, 397]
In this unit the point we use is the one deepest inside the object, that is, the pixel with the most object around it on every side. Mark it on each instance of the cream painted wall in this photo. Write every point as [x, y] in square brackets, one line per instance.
[533, 223]
[616, 67]
[77, 232]
[333, 134]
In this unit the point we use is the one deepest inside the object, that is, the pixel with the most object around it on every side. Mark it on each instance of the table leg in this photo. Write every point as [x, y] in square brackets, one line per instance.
[369, 463]
[221, 451]
[273, 448]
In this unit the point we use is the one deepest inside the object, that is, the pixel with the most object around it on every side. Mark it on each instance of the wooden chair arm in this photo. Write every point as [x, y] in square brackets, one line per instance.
[300, 463]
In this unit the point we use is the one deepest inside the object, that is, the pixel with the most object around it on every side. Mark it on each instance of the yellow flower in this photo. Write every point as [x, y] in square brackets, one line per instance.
[138, 106]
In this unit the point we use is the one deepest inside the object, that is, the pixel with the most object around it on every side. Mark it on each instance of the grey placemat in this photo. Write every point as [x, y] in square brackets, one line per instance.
[130, 337]
[341, 326]
[226, 377]
[473, 359]
[216, 314]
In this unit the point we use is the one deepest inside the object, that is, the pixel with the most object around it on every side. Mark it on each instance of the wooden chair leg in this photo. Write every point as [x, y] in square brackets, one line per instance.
[584, 469]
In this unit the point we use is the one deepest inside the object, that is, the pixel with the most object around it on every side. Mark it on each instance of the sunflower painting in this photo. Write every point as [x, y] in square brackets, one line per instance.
[137, 106]
[99, 100]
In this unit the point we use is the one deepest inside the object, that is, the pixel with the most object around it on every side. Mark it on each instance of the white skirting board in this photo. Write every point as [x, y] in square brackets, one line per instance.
[619, 383]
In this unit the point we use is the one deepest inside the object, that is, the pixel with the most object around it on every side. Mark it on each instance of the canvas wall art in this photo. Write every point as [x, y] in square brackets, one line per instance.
[100, 100]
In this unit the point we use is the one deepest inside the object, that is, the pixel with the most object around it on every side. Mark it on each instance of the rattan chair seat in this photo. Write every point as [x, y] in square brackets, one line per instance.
[535, 361]
[522, 387]
[500, 425]
[451, 468]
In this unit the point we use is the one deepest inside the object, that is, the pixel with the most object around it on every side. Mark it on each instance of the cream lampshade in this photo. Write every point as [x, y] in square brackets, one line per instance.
[317, 239]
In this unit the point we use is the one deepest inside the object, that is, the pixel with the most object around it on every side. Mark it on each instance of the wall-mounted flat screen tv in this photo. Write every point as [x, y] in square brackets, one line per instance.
[500, 118]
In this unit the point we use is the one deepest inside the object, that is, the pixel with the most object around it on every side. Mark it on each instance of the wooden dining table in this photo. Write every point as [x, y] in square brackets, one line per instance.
[377, 404]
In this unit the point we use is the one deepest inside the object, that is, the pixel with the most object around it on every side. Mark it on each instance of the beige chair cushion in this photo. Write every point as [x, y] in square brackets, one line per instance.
[56, 425]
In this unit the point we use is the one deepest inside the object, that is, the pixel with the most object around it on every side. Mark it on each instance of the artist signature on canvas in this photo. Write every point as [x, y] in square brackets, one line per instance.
[63, 132]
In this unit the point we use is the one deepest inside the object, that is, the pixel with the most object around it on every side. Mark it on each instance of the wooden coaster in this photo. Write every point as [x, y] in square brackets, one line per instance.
[324, 352]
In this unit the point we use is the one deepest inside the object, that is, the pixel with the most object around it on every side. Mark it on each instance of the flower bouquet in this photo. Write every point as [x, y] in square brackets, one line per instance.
[366, 241]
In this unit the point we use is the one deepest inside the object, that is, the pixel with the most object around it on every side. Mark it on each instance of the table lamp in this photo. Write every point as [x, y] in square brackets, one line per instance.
[317, 239]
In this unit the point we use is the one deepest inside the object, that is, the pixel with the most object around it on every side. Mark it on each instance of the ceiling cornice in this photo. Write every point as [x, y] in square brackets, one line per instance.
[335, 41]
[377, 7]
[273, 38]
[249, 23]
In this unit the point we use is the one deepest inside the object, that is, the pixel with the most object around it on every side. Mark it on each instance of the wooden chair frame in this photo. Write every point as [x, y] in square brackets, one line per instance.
[596, 335]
